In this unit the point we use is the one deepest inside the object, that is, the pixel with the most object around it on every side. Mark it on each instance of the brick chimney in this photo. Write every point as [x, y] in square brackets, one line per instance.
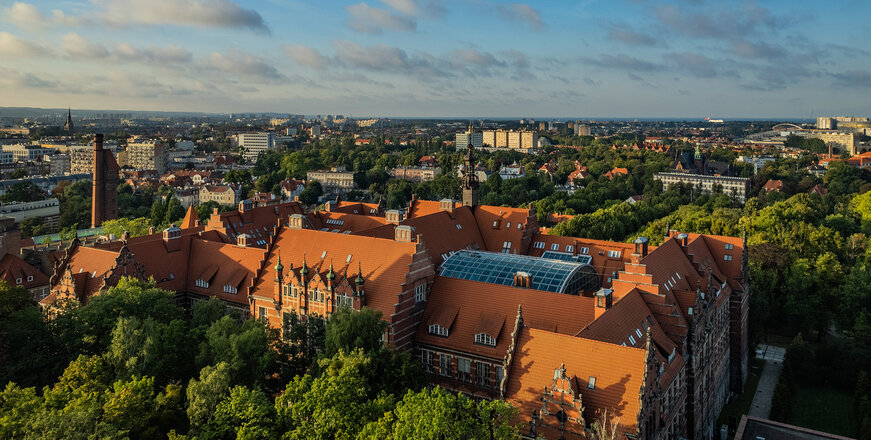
[404, 233]
[393, 216]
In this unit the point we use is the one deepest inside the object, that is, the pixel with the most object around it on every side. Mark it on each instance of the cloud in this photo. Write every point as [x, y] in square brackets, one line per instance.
[307, 56]
[244, 64]
[15, 78]
[632, 37]
[747, 20]
[853, 78]
[368, 20]
[520, 12]
[77, 46]
[27, 15]
[14, 46]
[623, 62]
[153, 54]
[700, 65]
[747, 49]
[196, 13]
[384, 58]
[408, 7]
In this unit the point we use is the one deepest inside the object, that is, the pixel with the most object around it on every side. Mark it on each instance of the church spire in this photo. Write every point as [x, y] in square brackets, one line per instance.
[68, 127]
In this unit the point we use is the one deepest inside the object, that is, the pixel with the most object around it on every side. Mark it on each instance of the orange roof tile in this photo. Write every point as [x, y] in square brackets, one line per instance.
[13, 268]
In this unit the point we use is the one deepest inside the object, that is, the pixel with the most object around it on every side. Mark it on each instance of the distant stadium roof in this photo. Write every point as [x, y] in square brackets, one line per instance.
[547, 274]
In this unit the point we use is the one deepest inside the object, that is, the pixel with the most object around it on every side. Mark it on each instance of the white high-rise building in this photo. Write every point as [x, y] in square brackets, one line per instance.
[475, 138]
[254, 143]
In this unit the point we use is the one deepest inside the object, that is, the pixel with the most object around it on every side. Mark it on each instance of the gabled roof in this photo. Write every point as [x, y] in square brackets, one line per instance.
[13, 268]
[499, 225]
[384, 262]
[340, 221]
[190, 219]
[618, 372]
[549, 311]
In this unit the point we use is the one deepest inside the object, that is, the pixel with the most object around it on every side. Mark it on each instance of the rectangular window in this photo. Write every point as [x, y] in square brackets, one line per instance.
[727, 257]
[638, 332]
[499, 374]
[613, 254]
[631, 339]
[585, 250]
[419, 293]
[554, 247]
[729, 246]
[426, 360]
[482, 374]
[445, 365]
[570, 248]
[464, 369]
[460, 227]
[538, 245]
[592, 383]
[262, 313]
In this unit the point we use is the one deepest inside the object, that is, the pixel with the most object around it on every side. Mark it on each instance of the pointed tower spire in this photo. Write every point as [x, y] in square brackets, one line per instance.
[304, 270]
[331, 275]
[359, 281]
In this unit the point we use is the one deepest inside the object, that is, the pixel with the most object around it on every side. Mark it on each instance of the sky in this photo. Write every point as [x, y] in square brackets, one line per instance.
[451, 58]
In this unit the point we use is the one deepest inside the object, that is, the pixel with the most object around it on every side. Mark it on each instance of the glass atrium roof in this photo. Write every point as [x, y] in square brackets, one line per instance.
[565, 256]
[547, 274]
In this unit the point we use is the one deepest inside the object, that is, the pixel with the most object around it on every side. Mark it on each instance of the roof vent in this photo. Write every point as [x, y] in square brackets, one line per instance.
[682, 239]
[404, 233]
[393, 216]
[295, 221]
[446, 205]
[604, 298]
[641, 246]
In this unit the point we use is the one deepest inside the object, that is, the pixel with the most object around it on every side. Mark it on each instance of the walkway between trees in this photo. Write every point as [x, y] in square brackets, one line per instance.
[773, 357]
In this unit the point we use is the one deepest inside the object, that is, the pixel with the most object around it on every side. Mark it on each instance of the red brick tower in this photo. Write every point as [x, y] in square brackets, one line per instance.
[104, 198]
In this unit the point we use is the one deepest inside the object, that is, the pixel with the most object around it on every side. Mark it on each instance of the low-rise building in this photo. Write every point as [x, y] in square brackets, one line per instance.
[513, 171]
[336, 179]
[737, 187]
[48, 210]
[415, 174]
[222, 194]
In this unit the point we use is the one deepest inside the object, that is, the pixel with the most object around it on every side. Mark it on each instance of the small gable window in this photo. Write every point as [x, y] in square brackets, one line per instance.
[29, 278]
[729, 246]
[591, 384]
[485, 339]
[435, 329]
[727, 257]
[18, 281]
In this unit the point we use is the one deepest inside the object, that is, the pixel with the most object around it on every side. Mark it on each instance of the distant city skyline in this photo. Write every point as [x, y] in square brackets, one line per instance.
[428, 58]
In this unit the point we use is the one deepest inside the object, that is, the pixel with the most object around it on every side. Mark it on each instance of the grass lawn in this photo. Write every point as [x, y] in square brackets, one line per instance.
[740, 405]
[824, 409]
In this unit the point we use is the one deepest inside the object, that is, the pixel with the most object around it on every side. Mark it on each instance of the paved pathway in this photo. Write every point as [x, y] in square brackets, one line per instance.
[773, 357]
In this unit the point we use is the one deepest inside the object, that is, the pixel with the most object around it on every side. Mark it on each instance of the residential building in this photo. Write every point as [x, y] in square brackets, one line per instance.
[737, 187]
[222, 194]
[7, 157]
[255, 143]
[147, 154]
[48, 210]
[475, 138]
[772, 186]
[18, 273]
[843, 141]
[513, 171]
[291, 188]
[582, 130]
[82, 157]
[336, 179]
[415, 174]
[60, 164]
[25, 152]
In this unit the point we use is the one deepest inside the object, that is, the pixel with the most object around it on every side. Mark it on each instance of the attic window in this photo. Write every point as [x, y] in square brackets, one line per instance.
[585, 250]
[349, 258]
[613, 254]
[201, 283]
[324, 255]
[554, 247]
[459, 227]
[435, 329]
[485, 339]
[632, 339]
[519, 226]
[638, 332]
[538, 245]
[230, 289]
[495, 224]
[729, 246]
[29, 278]
[591, 384]
[18, 281]
[570, 248]
[508, 225]
[727, 257]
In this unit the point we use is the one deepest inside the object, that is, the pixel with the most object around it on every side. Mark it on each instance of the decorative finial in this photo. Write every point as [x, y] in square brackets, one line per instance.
[279, 267]
[331, 275]
[304, 270]
[359, 281]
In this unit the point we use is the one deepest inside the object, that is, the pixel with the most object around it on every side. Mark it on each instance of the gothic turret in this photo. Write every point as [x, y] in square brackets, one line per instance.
[470, 180]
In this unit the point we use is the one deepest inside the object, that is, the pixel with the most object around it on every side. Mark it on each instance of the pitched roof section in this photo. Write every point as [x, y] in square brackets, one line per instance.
[13, 269]
[553, 312]
[384, 262]
[540, 354]
[190, 219]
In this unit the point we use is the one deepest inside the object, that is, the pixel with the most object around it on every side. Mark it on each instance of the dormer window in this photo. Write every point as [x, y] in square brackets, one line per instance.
[435, 329]
[614, 254]
[29, 278]
[554, 247]
[538, 245]
[485, 339]
[202, 283]
[631, 339]
[570, 248]
[585, 250]
[230, 289]
[18, 281]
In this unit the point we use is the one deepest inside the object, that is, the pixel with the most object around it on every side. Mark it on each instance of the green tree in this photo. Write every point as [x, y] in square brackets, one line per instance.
[158, 212]
[437, 414]
[25, 191]
[348, 330]
[312, 193]
[244, 414]
[204, 395]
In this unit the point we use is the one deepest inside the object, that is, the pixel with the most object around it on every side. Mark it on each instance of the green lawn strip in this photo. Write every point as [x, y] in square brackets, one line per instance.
[824, 409]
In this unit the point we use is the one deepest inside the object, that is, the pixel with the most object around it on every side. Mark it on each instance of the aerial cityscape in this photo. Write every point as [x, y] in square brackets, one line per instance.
[405, 219]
